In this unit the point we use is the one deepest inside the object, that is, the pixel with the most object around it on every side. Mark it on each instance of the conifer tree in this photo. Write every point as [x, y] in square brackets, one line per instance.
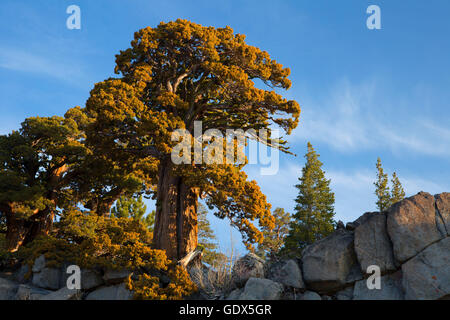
[274, 239]
[37, 166]
[206, 237]
[382, 188]
[172, 77]
[135, 208]
[386, 198]
[397, 193]
[314, 212]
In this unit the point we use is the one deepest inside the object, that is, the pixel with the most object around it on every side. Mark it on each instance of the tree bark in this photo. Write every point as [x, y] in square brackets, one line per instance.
[16, 232]
[22, 231]
[41, 224]
[176, 215]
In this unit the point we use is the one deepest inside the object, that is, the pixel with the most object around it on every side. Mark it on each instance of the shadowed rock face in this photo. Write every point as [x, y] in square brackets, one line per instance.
[117, 292]
[47, 278]
[427, 275]
[328, 262]
[412, 236]
[8, 289]
[287, 273]
[411, 225]
[372, 244]
[391, 289]
[443, 208]
[261, 289]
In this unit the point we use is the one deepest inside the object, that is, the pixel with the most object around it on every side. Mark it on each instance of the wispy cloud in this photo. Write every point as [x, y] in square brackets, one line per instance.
[360, 117]
[23, 61]
[353, 188]
[354, 191]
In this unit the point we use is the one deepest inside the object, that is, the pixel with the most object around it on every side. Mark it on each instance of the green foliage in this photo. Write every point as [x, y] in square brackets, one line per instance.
[382, 188]
[134, 208]
[397, 193]
[111, 243]
[206, 237]
[314, 212]
[177, 73]
[385, 199]
[36, 166]
[274, 238]
[91, 240]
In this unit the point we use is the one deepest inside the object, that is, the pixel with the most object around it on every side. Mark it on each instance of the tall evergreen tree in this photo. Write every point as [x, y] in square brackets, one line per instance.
[135, 208]
[314, 212]
[382, 188]
[206, 237]
[274, 238]
[397, 193]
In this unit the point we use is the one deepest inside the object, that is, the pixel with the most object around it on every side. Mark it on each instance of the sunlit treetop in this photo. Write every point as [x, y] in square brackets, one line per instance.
[207, 73]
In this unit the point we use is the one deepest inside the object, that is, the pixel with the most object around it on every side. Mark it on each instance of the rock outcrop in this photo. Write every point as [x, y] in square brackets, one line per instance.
[372, 244]
[443, 209]
[287, 273]
[412, 226]
[408, 247]
[8, 289]
[116, 292]
[328, 262]
[261, 289]
[427, 275]
[390, 289]
[249, 266]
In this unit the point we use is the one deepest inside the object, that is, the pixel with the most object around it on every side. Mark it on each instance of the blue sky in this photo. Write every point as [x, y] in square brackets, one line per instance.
[364, 93]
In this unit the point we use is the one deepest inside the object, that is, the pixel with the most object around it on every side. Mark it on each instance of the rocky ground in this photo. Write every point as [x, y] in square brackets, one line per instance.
[410, 243]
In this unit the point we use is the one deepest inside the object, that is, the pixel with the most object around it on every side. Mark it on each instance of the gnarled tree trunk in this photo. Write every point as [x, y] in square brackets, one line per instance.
[16, 232]
[22, 231]
[176, 215]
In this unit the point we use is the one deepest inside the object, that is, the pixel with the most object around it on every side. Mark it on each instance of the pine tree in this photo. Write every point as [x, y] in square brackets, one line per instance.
[397, 193]
[382, 188]
[206, 236]
[135, 208]
[386, 198]
[274, 238]
[314, 212]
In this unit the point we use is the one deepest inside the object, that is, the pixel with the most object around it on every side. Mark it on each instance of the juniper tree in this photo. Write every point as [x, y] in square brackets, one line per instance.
[171, 76]
[37, 166]
[47, 168]
[314, 212]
